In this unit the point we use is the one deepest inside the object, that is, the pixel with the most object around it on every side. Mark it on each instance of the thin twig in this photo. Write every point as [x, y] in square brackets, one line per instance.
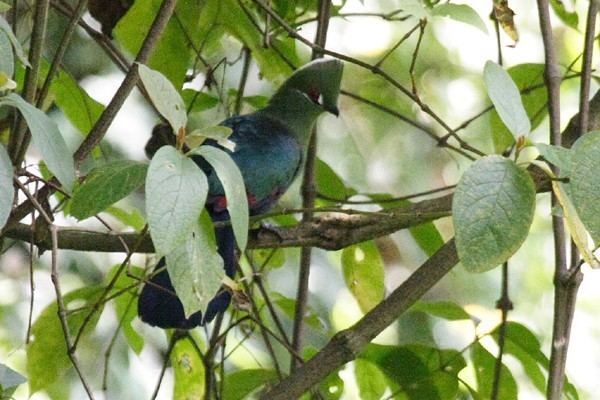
[398, 43]
[261, 326]
[309, 194]
[111, 344]
[413, 62]
[243, 79]
[174, 338]
[383, 201]
[101, 299]
[552, 78]
[257, 279]
[375, 70]
[60, 51]
[62, 313]
[347, 344]
[504, 304]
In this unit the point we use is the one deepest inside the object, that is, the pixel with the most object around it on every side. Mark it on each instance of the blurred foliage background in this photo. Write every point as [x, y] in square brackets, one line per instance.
[369, 150]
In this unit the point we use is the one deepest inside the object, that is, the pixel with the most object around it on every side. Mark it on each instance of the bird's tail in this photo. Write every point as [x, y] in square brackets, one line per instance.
[158, 305]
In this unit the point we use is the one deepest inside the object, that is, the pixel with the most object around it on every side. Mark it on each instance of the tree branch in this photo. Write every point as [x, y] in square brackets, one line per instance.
[347, 344]
[99, 130]
[331, 231]
[309, 194]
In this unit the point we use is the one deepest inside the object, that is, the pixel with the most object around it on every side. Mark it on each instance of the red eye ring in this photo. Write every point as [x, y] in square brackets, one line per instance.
[314, 95]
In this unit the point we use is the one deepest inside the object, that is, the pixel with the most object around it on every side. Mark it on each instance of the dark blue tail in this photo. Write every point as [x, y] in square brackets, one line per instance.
[159, 306]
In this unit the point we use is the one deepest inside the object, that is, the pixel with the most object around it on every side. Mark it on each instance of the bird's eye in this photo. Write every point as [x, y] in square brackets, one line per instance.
[315, 96]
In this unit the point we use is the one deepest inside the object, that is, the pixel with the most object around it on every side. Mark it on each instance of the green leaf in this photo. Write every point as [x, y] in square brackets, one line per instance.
[47, 139]
[419, 372]
[195, 267]
[529, 78]
[176, 191]
[427, 236]
[369, 379]
[238, 24]
[256, 102]
[570, 18]
[105, 185]
[5, 27]
[462, 13]
[268, 258]
[6, 183]
[165, 98]
[557, 156]
[172, 55]
[288, 306]
[4, 7]
[484, 364]
[188, 371]
[6, 83]
[126, 303]
[329, 182]
[584, 181]
[47, 360]
[235, 190]
[442, 309]
[240, 384]
[7, 59]
[197, 102]
[524, 345]
[505, 96]
[9, 381]
[364, 274]
[77, 105]
[219, 133]
[576, 228]
[492, 210]
[133, 218]
[332, 387]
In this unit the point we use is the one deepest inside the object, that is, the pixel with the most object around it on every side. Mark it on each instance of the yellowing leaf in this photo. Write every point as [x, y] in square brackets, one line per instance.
[505, 17]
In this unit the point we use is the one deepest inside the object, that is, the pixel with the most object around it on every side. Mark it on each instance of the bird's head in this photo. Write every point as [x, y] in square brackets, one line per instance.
[319, 83]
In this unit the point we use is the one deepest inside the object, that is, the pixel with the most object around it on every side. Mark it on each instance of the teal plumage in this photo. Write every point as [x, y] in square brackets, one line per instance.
[269, 149]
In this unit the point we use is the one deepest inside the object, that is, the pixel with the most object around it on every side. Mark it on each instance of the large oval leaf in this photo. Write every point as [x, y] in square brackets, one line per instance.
[188, 370]
[8, 192]
[48, 140]
[585, 182]
[506, 98]
[176, 191]
[165, 98]
[462, 13]
[195, 267]
[492, 210]
[105, 186]
[235, 190]
[529, 79]
[364, 274]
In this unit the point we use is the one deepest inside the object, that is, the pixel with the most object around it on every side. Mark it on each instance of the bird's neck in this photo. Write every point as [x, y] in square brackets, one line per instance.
[298, 119]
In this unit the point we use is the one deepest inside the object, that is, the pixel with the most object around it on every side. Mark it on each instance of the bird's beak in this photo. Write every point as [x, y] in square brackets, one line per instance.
[333, 110]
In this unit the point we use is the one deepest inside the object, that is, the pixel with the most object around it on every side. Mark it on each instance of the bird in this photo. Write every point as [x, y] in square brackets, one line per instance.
[270, 146]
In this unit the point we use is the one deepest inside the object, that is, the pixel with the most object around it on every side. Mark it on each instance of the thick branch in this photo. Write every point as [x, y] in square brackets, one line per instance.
[331, 231]
[347, 344]
[99, 130]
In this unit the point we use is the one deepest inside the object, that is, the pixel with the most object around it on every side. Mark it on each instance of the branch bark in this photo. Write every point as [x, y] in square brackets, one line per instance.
[331, 231]
[347, 344]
